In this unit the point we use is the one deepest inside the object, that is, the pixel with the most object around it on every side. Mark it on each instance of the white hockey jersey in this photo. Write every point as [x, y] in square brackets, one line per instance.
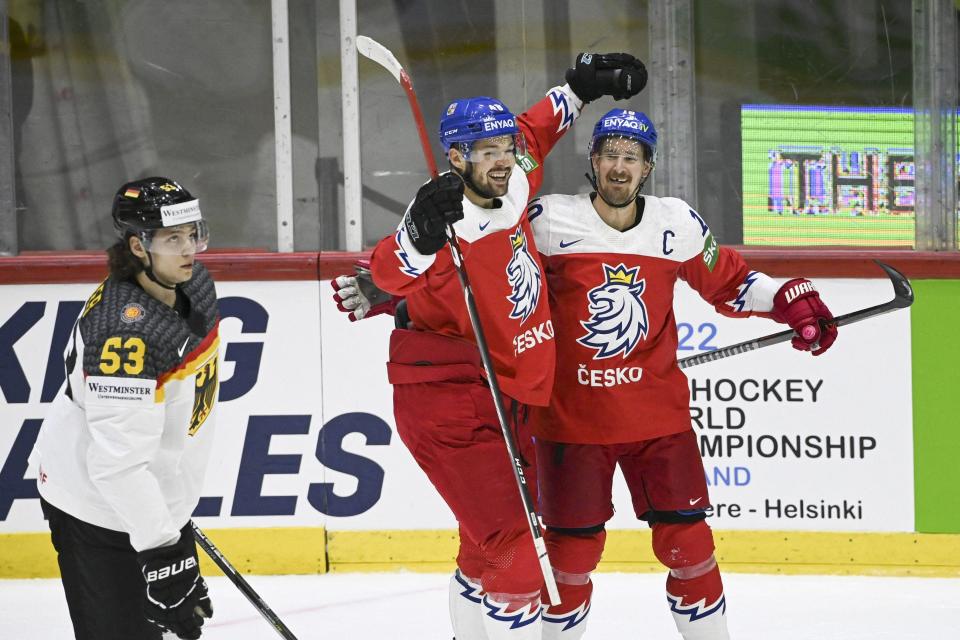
[126, 442]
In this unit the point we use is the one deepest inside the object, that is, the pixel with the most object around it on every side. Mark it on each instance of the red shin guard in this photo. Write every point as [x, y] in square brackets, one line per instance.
[573, 558]
[707, 587]
[694, 588]
[469, 558]
[687, 550]
[575, 553]
[574, 606]
[511, 565]
[679, 546]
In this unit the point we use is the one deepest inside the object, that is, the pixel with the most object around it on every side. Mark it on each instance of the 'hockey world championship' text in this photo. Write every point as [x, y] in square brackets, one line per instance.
[736, 448]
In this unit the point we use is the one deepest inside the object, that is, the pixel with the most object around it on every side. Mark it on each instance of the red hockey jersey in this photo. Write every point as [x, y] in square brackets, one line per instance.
[611, 296]
[503, 264]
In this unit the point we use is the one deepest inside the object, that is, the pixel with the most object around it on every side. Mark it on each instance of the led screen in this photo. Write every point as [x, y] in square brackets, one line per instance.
[827, 175]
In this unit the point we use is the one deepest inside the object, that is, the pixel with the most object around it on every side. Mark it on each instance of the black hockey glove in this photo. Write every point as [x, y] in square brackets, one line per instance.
[607, 74]
[438, 202]
[176, 597]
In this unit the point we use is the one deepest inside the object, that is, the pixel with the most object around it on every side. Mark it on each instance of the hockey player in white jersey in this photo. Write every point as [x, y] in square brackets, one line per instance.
[123, 450]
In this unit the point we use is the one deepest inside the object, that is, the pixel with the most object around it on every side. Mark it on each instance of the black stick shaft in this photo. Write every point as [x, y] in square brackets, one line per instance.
[241, 584]
[783, 336]
[512, 448]
[492, 380]
[382, 56]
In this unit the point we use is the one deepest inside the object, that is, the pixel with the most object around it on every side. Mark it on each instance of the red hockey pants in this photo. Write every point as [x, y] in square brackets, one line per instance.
[446, 417]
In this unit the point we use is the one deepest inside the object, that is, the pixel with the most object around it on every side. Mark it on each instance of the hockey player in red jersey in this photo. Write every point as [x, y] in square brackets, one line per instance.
[612, 258]
[442, 404]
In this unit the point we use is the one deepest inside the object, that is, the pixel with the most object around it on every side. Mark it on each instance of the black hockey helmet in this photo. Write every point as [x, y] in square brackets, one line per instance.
[143, 206]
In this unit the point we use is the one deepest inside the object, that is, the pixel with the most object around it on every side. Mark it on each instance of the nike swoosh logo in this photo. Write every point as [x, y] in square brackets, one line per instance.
[693, 502]
[564, 245]
[483, 227]
[184, 346]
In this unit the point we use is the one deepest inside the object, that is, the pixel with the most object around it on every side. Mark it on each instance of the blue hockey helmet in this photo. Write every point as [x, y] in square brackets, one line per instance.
[623, 123]
[470, 119]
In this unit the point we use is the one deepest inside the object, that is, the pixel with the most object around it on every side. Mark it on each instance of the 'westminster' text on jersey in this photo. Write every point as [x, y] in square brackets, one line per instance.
[126, 442]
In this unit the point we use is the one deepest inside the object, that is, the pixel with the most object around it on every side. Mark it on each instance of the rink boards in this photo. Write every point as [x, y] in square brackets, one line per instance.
[811, 462]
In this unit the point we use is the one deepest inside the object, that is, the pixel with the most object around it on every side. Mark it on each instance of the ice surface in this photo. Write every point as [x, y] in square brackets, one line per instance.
[402, 606]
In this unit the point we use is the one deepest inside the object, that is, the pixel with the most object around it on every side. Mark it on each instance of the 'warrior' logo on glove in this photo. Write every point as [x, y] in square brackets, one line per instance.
[618, 315]
[525, 278]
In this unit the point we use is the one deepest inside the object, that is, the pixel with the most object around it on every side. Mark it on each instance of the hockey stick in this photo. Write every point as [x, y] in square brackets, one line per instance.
[902, 298]
[373, 50]
[241, 584]
[381, 55]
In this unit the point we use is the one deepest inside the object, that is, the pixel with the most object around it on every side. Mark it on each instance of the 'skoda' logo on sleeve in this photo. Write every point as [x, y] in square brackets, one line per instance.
[618, 315]
[525, 278]
[711, 251]
[527, 163]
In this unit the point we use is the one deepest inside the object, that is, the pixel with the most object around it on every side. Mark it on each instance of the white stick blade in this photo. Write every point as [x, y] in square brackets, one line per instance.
[370, 48]
[549, 581]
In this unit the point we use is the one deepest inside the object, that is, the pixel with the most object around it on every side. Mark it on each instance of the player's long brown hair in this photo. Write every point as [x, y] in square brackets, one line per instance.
[123, 264]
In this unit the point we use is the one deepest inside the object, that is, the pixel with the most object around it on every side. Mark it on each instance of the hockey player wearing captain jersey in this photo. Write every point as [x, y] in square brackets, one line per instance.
[443, 408]
[612, 259]
[123, 450]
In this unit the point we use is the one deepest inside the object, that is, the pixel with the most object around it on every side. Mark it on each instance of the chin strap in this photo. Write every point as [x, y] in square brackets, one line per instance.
[149, 271]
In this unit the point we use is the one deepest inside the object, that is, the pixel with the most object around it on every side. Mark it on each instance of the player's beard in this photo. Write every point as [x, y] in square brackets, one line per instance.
[618, 194]
[484, 187]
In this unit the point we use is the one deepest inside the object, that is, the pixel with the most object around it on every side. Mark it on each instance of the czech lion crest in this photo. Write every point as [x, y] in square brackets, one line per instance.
[618, 315]
[524, 276]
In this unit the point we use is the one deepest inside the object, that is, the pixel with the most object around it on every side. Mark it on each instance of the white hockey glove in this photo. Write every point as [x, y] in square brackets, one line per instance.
[359, 297]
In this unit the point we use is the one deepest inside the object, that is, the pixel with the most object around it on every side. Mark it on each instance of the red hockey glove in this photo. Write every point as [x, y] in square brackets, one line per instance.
[798, 304]
[358, 297]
